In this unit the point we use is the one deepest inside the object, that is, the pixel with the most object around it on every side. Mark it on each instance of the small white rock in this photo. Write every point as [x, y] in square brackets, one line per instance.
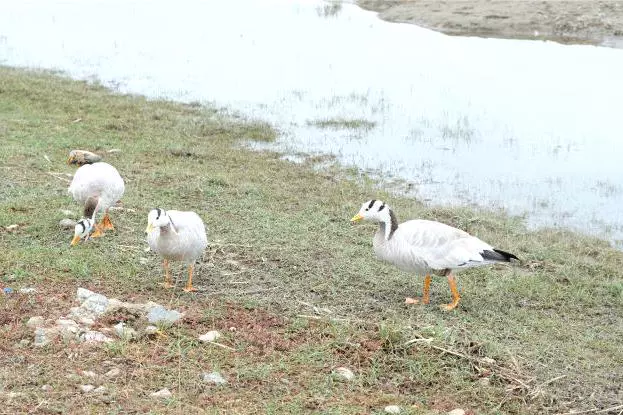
[149, 330]
[162, 315]
[345, 373]
[392, 409]
[113, 373]
[67, 223]
[94, 337]
[161, 394]
[210, 336]
[46, 388]
[456, 412]
[27, 290]
[82, 294]
[35, 322]
[89, 373]
[214, 377]
[87, 388]
[100, 389]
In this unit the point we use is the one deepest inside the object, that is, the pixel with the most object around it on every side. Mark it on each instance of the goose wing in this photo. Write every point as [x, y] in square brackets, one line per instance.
[189, 226]
[441, 246]
[99, 179]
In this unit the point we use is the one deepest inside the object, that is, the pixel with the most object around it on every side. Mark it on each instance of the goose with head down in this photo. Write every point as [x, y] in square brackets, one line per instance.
[96, 186]
[427, 247]
[178, 236]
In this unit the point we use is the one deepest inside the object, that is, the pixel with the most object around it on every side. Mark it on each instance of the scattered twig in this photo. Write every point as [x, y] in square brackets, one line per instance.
[60, 178]
[222, 345]
[410, 342]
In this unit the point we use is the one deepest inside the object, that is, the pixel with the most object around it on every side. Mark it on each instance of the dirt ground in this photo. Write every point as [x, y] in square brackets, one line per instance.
[581, 21]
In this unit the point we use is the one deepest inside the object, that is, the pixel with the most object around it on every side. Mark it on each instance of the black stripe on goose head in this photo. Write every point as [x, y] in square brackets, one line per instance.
[371, 203]
[382, 207]
[158, 213]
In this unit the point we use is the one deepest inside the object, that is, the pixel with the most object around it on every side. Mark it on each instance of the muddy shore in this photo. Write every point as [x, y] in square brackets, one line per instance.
[572, 22]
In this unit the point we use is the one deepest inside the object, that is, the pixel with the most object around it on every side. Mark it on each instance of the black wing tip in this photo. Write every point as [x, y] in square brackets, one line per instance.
[499, 255]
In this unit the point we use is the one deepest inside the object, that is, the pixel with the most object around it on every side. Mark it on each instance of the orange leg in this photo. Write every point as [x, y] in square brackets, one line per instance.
[167, 277]
[106, 223]
[455, 294]
[425, 297]
[189, 284]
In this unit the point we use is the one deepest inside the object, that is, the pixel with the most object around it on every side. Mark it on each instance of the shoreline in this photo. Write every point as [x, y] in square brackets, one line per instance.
[569, 22]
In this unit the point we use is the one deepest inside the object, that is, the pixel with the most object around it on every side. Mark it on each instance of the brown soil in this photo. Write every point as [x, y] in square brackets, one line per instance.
[582, 21]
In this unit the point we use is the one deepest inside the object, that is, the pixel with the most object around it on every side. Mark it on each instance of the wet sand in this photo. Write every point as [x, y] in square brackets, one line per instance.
[573, 22]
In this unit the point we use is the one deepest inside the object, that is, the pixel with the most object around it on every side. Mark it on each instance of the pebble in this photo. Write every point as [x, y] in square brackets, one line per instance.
[44, 336]
[113, 373]
[345, 373]
[161, 394]
[94, 337]
[87, 388]
[46, 388]
[392, 409]
[162, 315]
[210, 336]
[67, 223]
[27, 290]
[34, 322]
[456, 412]
[214, 377]
[149, 330]
[89, 373]
[100, 389]
[7, 290]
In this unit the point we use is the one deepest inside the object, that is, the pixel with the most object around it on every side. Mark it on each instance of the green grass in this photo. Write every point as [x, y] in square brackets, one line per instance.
[299, 284]
[342, 123]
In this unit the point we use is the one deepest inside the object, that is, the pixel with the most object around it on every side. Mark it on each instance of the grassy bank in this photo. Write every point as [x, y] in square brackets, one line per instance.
[285, 268]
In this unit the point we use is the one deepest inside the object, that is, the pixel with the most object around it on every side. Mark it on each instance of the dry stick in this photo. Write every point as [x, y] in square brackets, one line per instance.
[222, 345]
[594, 411]
[60, 178]
[500, 370]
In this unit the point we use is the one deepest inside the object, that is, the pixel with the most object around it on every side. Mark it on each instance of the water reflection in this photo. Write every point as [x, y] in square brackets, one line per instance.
[531, 127]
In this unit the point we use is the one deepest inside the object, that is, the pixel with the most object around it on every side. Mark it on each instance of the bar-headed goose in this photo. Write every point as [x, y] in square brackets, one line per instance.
[97, 187]
[177, 236]
[426, 247]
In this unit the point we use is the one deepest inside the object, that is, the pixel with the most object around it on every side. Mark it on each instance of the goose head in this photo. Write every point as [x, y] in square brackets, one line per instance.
[377, 211]
[82, 157]
[373, 211]
[157, 218]
[82, 230]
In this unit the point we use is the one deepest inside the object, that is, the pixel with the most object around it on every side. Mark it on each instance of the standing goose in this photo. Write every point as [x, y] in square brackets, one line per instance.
[177, 236]
[97, 187]
[425, 247]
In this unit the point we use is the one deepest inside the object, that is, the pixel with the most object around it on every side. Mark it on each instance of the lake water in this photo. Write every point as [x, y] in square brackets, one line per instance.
[532, 127]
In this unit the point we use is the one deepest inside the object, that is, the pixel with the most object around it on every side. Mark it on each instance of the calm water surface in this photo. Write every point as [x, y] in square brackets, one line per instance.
[532, 127]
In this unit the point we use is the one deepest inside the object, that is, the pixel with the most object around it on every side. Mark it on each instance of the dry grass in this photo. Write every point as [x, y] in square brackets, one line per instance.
[545, 335]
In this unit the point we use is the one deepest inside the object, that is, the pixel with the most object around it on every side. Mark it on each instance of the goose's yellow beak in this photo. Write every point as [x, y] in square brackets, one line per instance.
[70, 160]
[356, 218]
[149, 228]
[75, 240]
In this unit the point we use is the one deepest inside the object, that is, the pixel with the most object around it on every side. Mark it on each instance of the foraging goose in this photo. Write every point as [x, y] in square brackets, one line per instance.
[97, 186]
[177, 236]
[425, 247]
